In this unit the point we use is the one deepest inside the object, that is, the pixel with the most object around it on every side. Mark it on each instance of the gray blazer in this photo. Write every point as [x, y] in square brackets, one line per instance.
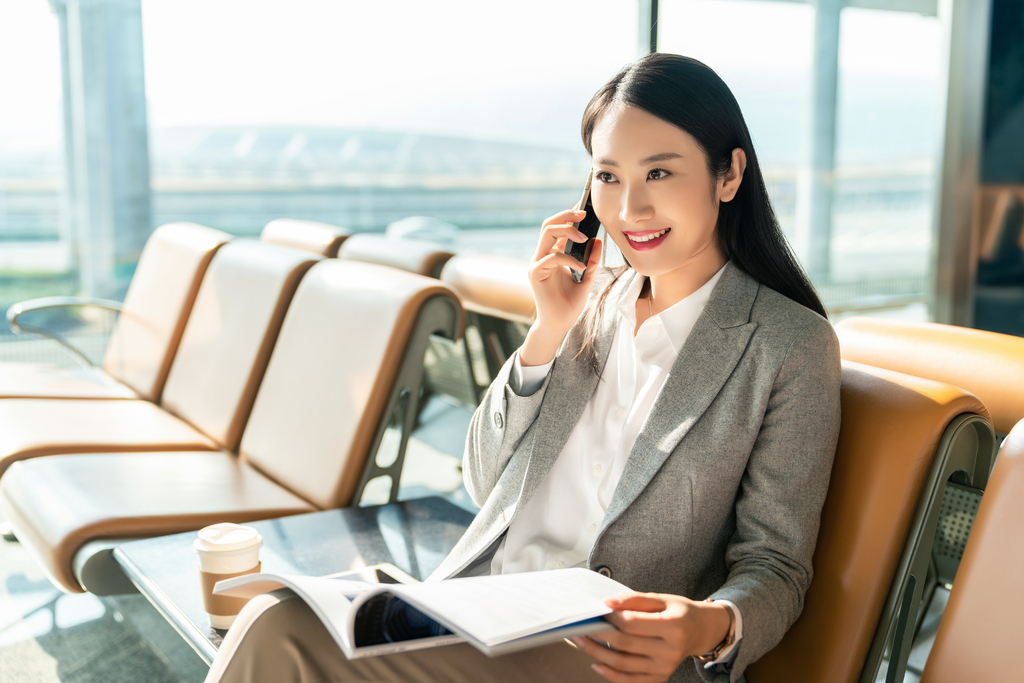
[721, 495]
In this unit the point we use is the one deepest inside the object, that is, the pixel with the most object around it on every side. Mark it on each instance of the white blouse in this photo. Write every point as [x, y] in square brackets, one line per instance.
[558, 525]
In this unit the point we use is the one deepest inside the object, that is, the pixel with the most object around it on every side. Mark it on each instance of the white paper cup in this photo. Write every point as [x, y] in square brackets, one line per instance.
[225, 550]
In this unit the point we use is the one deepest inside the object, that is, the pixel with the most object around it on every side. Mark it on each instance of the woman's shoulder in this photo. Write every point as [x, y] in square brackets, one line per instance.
[783, 321]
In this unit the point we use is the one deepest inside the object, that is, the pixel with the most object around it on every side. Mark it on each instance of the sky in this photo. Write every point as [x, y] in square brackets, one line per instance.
[511, 71]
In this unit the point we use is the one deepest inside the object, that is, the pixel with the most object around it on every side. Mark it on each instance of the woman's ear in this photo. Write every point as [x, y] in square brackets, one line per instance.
[729, 184]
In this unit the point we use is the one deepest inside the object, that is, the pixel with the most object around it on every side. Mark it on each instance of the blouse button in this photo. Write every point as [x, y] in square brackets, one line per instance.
[559, 564]
[597, 469]
[619, 412]
[592, 528]
[497, 420]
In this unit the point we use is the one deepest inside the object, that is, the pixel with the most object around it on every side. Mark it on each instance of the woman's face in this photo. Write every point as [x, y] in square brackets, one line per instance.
[653, 193]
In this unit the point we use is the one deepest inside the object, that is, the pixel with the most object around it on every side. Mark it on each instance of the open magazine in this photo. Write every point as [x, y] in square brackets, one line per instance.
[496, 614]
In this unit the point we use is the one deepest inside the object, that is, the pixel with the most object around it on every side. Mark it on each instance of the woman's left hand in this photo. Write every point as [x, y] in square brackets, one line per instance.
[654, 634]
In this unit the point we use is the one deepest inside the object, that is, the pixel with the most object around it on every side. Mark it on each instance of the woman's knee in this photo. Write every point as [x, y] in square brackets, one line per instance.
[262, 637]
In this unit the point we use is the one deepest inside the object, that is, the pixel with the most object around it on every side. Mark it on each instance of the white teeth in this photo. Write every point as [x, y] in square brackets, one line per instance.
[647, 238]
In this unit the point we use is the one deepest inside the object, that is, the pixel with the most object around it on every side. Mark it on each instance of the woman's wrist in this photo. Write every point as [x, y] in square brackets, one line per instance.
[715, 624]
[540, 346]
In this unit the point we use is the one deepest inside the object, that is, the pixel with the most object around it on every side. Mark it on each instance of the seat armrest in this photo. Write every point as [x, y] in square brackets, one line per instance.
[48, 302]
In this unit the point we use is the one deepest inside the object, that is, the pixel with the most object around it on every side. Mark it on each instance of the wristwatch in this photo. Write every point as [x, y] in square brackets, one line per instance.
[730, 637]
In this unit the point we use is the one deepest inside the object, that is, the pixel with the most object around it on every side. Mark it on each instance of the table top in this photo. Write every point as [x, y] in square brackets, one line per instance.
[413, 535]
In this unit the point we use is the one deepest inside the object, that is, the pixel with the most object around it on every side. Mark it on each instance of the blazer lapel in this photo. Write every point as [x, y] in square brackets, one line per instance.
[705, 362]
[572, 384]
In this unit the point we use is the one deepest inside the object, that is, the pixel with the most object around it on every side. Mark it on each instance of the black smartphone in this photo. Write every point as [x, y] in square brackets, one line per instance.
[588, 226]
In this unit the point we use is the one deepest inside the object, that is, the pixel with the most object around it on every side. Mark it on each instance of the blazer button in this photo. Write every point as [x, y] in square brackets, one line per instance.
[497, 420]
[604, 570]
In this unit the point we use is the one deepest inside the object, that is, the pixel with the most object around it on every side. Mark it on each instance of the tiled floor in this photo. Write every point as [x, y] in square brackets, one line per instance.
[49, 637]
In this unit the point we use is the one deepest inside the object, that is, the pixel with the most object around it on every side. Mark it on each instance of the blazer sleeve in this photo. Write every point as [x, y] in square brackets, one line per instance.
[778, 507]
[497, 427]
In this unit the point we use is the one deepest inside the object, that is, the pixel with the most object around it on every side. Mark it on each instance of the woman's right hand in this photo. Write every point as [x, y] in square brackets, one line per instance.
[559, 298]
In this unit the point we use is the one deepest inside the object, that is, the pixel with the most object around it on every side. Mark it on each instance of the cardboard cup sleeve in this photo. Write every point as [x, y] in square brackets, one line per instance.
[222, 605]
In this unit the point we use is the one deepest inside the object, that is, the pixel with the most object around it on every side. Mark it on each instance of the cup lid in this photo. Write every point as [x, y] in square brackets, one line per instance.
[227, 536]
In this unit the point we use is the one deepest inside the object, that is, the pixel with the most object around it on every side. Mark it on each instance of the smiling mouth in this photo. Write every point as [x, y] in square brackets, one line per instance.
[640, 239]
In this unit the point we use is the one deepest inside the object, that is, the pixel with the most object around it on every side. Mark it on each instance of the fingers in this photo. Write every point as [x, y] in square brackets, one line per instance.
[558, 226]
[543, 268]
[649, 625]
[593, 263]
[637, 602]
[618, 660]
[633, 644]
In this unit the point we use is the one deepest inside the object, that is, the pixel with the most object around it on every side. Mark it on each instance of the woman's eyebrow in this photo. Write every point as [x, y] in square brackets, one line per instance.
[664, 156]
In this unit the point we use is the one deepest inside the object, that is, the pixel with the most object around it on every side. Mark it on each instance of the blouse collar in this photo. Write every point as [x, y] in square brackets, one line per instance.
[677, 319]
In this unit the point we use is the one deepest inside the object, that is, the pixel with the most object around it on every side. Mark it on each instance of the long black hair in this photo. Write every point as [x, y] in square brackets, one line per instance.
[691, 96]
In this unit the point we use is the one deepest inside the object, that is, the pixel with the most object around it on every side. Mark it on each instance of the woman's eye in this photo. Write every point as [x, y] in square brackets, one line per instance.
[605, 177]
[657, 174]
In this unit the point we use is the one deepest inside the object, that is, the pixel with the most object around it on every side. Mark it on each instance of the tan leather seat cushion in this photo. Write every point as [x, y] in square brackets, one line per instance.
[979, 635]
[332, 371]
[58, 504]
[987, 364]
[414, 256]
[158, 303]
[41, 380]
[891, 428]
[230, 334]
[30, 428]
[492, 285]
[320, 238]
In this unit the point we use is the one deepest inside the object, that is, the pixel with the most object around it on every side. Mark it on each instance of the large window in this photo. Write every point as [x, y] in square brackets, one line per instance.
[362, 114]
[233, 113]
[887, 112]
[35, 257]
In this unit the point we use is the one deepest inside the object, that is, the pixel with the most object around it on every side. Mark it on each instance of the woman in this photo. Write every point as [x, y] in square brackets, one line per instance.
[671, 424]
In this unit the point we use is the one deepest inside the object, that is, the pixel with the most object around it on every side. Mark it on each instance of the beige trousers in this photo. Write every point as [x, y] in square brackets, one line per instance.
[277, 639]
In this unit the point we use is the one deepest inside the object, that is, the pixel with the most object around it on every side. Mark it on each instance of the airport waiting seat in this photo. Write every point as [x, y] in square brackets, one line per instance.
[492, 285]
[347, 363]
[148, 330]
[987, 364]
[211, 384]
[499, 304]
[414, 256]
[320, 238]
[979, 636]
[902, 438]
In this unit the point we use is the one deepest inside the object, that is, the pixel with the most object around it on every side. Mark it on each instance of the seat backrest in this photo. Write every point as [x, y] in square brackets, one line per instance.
[979, 635]
[230, 334]
[320, 238]
[352, 343]
[499, 310]
[894, 428]
[414, 256]
[987, 364]
[158, 303]
[492, 285]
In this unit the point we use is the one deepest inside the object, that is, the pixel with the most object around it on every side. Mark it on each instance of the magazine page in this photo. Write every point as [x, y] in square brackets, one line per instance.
[496, 614]
[335, 601]
[492, 610]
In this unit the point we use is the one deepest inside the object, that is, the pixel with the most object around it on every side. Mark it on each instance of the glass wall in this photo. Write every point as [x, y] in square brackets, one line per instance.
[363, 114]
[357, 114]
[886, 113]
[35, 257]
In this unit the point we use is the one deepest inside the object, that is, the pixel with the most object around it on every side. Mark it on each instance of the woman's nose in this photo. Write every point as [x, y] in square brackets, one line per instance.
[636, 206]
